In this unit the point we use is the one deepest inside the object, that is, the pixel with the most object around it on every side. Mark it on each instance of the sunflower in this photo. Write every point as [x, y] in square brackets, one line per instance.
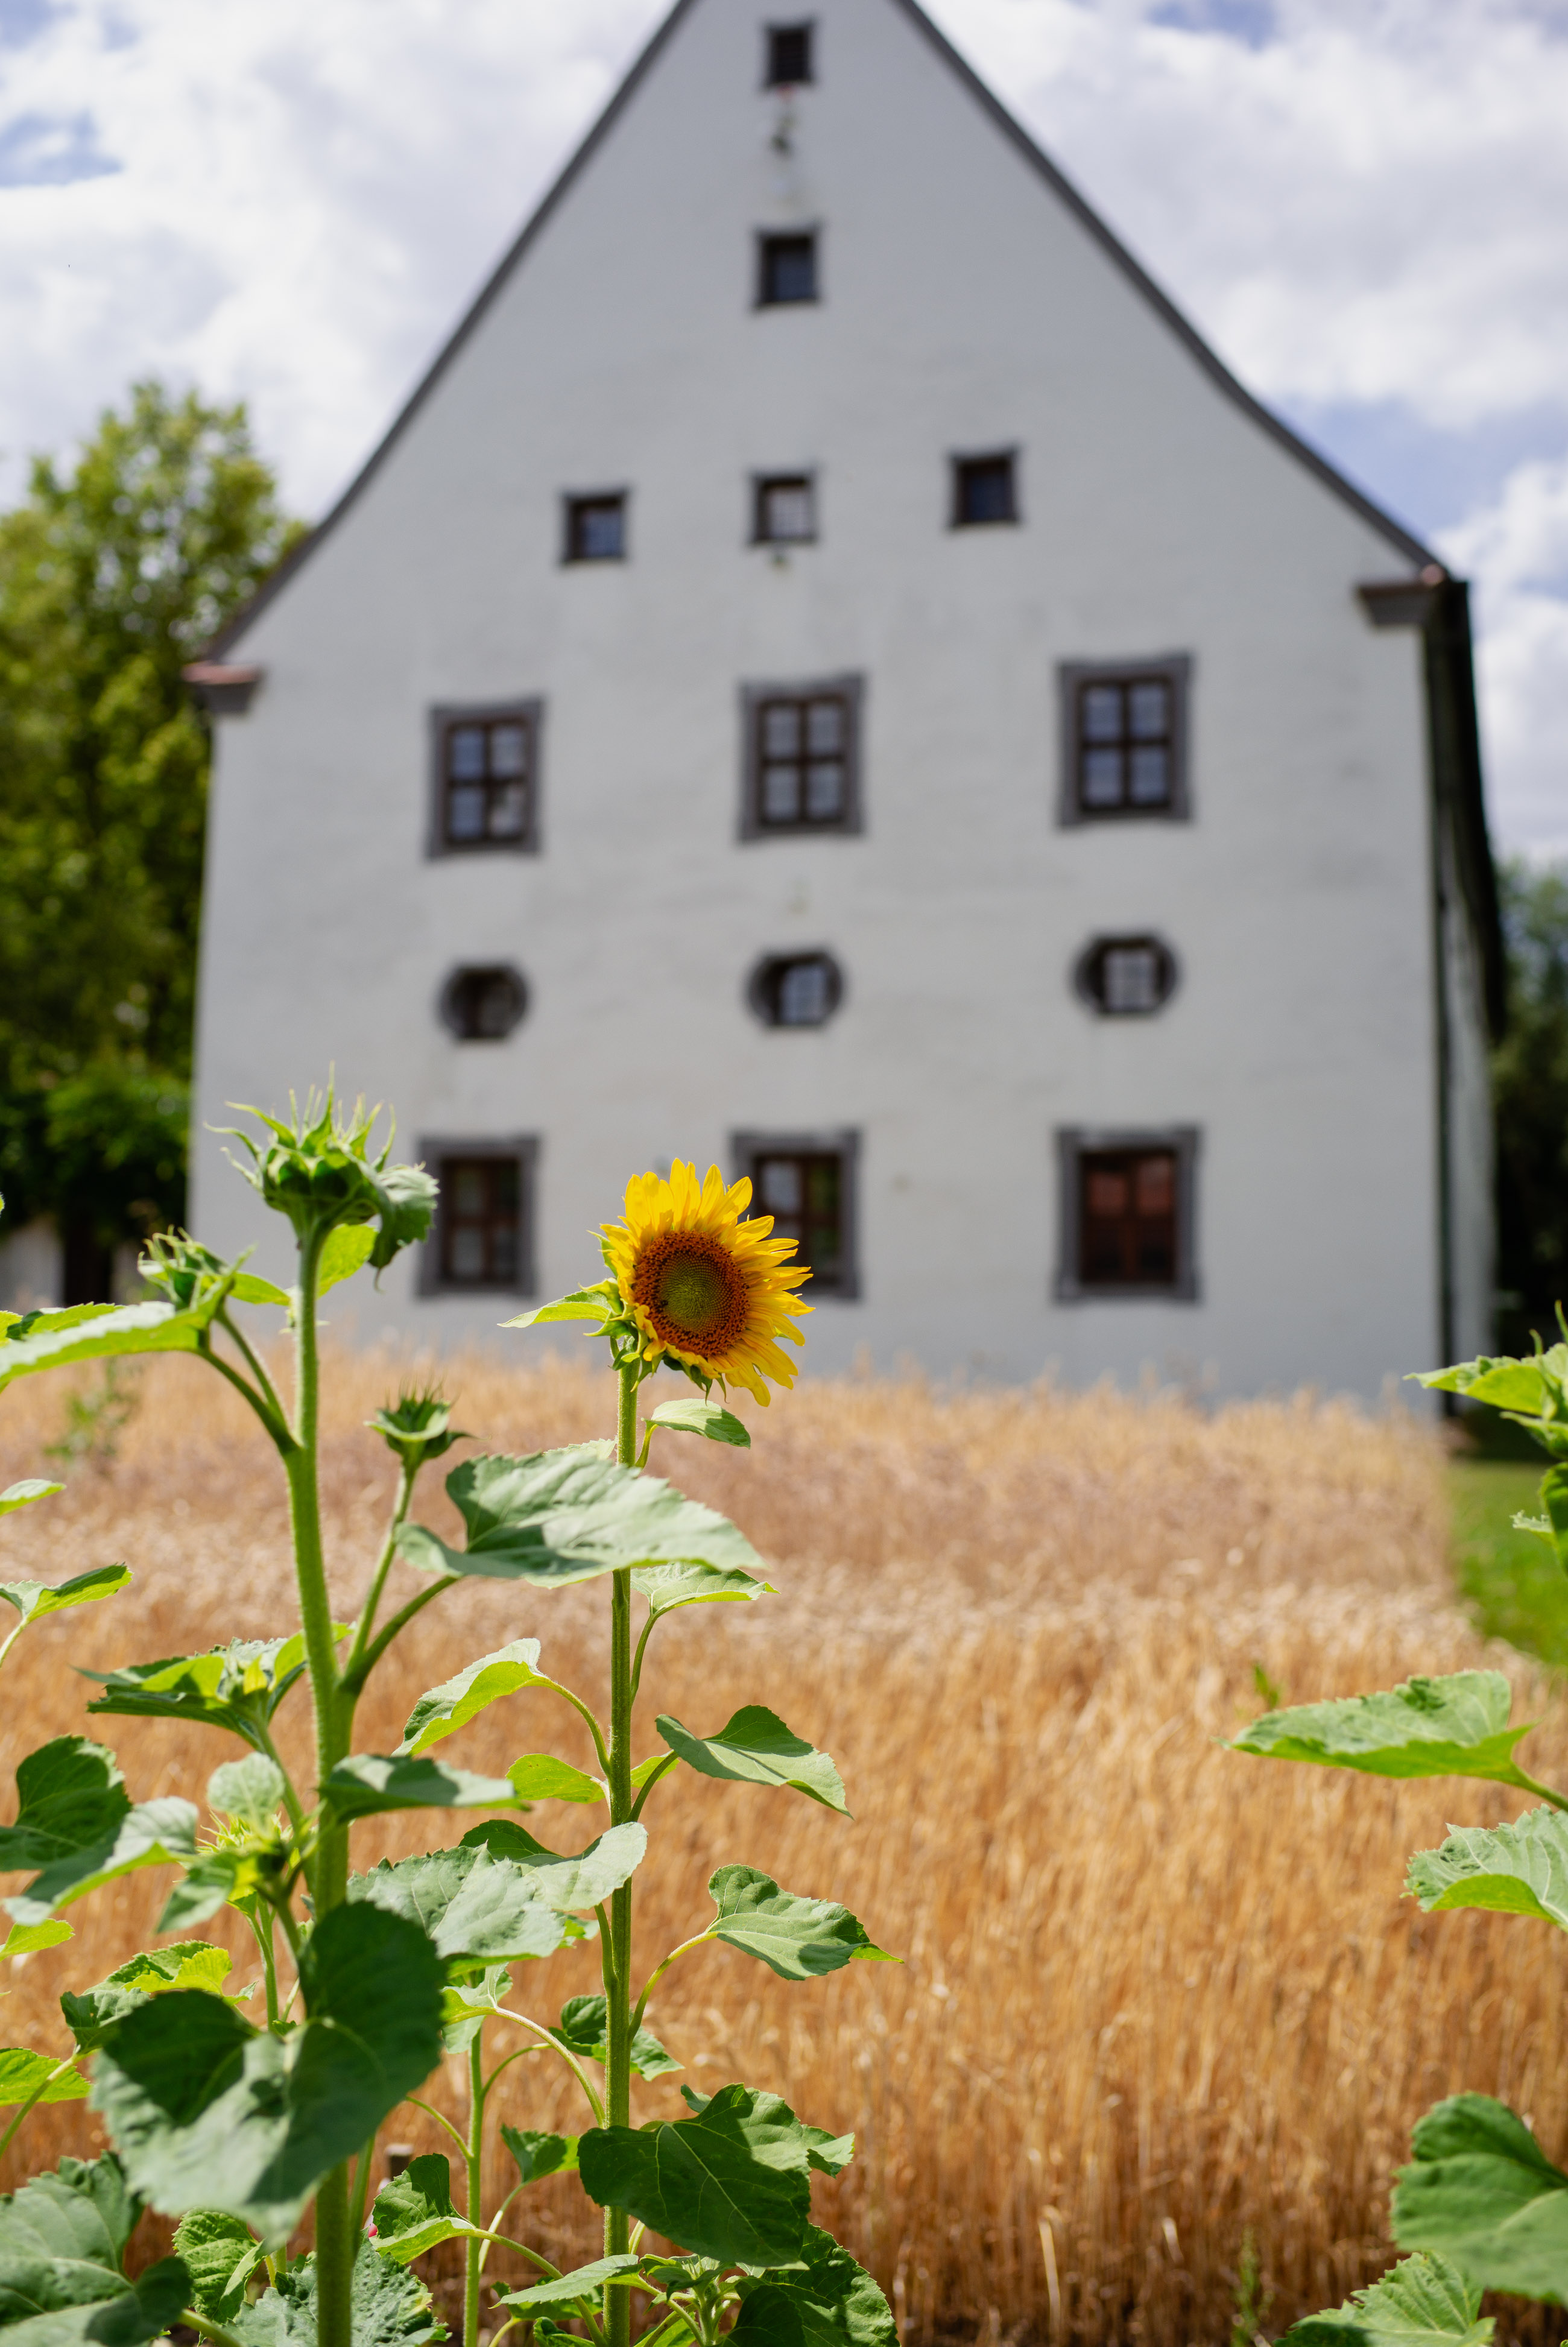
[707, 1291]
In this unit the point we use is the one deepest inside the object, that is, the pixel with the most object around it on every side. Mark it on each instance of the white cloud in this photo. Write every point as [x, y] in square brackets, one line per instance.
[1358, 200]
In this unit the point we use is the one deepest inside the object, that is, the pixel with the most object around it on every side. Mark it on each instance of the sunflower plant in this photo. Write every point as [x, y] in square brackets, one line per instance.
[244, 2113]
[1481, 2205]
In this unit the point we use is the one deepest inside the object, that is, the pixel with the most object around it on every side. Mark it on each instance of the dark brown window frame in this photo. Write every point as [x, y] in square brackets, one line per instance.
[465, 974]
[1073, 1144]
[527, 711]
[1094, 952]
[959, 464]
[850, 689]
[1173, 670]
[575, 502]
[763, 985]
[767, 236]
[746, 1147]
[521, 1150]
[761, 483]
[802, 29]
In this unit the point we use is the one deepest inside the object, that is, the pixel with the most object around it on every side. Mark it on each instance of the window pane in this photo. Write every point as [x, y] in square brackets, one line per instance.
[599, 534]
[985, 489]
[789, 268]
[1101, 782]
[465, 1252]
[506, 813]
[1100, 708]
[466, 753]
[468, 1189]
[781, 728]
[803, 994]
[494, 1008]
[503, 1265]
[1150, 708]
[1156, 1186]
[508, 751]
[1131, 979]
[824, 790]
[825, 727]
[1150, 774]
[466, 812]
[1106, 1192]
[779, 1184]
[789, 54]
[781, 793]
[786, 510]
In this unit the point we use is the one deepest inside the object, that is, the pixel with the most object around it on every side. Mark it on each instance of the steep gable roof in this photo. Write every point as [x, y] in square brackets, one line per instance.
[1409, 548]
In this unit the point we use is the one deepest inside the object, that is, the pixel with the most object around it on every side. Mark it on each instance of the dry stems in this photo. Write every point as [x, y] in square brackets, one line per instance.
[1154, 1994]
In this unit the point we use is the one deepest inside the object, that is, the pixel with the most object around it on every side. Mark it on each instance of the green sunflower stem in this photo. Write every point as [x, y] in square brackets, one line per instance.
[618, 1969]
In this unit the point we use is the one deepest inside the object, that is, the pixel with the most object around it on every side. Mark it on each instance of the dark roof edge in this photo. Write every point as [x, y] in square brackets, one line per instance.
[1110, 244]
[234, 628]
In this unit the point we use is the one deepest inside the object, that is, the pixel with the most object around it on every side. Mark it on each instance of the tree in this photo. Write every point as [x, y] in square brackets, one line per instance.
[1529, 1091]
[111, 579]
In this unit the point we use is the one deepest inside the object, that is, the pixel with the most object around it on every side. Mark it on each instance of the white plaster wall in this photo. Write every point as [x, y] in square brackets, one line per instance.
[964, 308]
[31, 1274]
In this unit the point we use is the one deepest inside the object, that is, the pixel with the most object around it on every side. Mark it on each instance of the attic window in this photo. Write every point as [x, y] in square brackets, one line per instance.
[789, 56]
[786, 270]
[484, 779]
[1125, 748]
[984, 490]
[785, 511]
[596, 529]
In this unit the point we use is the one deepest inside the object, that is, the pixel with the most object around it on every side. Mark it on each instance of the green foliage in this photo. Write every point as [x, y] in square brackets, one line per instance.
[112, 576]
[584, 2027]
[699, 1417]
[1422, 2302]
[413, 2211]
[799, 1939]
[822, 2299]
[755, 1748]
[221, 2255]
[731, 2182]
[28, 2077]
[539, 2155]
[1481, 2192]
[566, 1884]
[1513, 1869]
[237, 1687]
[34, 1599]
[63, 2240]
[1530, 1099]
[1452, 1727]
[386, 2307]
[476, 1907]
[187, 1965]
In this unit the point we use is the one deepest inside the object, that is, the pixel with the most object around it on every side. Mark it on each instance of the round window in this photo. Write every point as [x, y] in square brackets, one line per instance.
[796, 989]
[483, 1005]
[1126, 978]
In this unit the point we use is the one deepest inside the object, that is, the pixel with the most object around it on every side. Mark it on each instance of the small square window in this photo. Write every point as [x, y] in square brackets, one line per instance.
[984, 490]
[1124, 739]
[481, 1240]
[485, 784]
[786, 270]
[807, 1183]
[802, 771]
[785, 510]
[788, 63]
[1127, 1215]
[596, 529]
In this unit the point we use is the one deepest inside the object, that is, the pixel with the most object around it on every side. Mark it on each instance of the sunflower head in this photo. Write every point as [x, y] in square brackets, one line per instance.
[705, 1291]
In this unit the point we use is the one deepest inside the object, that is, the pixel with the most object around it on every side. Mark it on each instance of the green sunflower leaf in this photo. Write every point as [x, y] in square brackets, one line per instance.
[443, 1709]
[476, 1907]
[579, 2288]
[209, 2113]
[601, 1302]
[799, 1939]
[344, 1252]
[1423, 2302]
[373, 1784]
[1517, 1869]
[539, 2155]
[34, 1599]
[541, 1776]
[828, 2155]
[582, 2026]
[237, 1687]
[562, 1516]
[98, 1333]
[666, 1586]
[731, 2182]
[1452, 1727]
[699, 1417]
[388, 2307]
[62, 2238]
[221, 2255]
[22, 2071]
[413, 2212]
[250, 1790]
[566, 1884]
[22, 1495]
[74, 1820]
[187, 1965]
[755, 1748]
[822, 2299]
[26, 1939]
[1480, 2193]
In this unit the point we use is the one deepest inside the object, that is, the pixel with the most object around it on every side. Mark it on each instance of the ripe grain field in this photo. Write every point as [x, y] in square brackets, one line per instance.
[1155, 1994]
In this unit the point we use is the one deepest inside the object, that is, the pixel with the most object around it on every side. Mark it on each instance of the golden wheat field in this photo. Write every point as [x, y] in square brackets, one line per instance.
[1154, 1996]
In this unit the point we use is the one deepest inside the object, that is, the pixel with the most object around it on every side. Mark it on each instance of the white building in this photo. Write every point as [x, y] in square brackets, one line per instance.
[829, 673]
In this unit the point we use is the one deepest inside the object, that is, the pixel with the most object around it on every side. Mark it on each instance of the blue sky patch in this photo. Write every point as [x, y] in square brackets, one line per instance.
[43, 150]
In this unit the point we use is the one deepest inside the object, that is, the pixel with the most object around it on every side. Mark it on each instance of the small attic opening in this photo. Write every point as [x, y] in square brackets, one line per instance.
[788, 61]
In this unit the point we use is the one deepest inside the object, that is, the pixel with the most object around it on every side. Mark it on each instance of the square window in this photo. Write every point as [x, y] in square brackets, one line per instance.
[481, 1240]
[807, 1183]
[789, 59]
[1127, 1215]
[785, 511]
[596, 529]
[786, 270]
[983, 490]
[1124, 751]
[802, 758]
[484, 778]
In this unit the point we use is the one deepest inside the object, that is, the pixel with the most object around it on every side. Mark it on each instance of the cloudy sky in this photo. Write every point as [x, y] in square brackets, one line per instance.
[1362, 203]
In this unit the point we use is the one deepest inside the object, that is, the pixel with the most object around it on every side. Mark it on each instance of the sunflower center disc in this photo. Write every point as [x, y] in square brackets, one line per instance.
[691, 1293]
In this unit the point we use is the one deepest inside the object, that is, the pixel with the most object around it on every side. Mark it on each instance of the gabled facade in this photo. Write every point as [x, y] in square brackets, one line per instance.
[830, 675]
